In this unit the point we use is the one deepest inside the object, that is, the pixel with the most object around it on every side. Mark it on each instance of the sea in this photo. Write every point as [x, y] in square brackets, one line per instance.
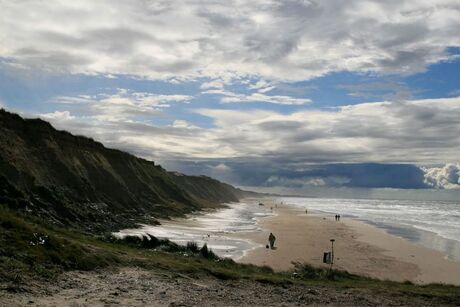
[433, 224]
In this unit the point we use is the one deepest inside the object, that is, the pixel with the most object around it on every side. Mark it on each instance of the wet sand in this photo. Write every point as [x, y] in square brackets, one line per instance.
[359, 248]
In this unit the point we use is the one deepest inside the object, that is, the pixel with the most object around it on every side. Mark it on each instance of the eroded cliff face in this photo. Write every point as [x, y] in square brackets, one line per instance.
[76, 181]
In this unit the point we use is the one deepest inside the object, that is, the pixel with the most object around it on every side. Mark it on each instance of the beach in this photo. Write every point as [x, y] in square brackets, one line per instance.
[240, 231]
[359, 247]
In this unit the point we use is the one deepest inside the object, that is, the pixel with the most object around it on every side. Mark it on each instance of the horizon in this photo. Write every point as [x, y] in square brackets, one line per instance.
[294, 95]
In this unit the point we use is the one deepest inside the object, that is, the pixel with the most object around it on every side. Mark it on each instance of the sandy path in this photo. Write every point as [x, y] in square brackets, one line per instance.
[359, 248]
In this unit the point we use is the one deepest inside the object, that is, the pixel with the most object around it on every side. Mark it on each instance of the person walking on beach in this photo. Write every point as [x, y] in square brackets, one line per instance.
[271, 239]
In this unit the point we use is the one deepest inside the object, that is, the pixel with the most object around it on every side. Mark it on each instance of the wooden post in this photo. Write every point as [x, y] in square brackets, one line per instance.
[332, 253]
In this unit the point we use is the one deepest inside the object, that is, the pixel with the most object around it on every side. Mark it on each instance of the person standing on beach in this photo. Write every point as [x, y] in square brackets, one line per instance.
[271, 239]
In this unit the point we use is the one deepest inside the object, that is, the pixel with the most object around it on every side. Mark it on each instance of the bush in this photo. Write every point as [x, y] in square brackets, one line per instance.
[145, 241]
[193, 247]
[207, 253]
[306, 271]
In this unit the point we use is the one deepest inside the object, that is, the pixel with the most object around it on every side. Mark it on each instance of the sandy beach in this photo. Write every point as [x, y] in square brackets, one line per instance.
[359, 248]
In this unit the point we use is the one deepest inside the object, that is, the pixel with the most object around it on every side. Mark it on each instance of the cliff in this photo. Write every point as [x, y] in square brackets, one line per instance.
[76, 181]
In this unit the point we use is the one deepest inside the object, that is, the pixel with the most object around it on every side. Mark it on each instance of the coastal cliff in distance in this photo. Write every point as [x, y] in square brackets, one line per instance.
[76, 181]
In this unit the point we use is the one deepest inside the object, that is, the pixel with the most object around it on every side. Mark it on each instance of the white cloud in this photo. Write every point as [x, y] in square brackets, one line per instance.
[262, 86]
[120, 106]
[178, 123]
[221, 167]
[57, 116]
[160, 100]
[445, 177]
[273, 40]
[294, 182]
[259, 84]
[219, 84]
[266, 89]
[281, 181]
[231, 97]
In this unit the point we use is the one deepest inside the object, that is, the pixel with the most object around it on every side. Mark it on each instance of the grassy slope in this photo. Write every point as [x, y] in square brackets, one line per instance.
[22, 261]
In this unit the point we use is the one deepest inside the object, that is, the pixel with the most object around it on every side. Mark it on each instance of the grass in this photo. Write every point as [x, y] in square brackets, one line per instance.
[31, 249]
[26, 248]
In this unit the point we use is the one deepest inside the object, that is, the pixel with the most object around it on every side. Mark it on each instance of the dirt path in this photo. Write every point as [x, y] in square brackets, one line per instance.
[139, 287]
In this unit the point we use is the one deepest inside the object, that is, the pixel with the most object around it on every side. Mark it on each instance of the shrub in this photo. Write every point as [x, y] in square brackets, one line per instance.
[306, 271]
[207, 253]
[193, 247]
[145, 241]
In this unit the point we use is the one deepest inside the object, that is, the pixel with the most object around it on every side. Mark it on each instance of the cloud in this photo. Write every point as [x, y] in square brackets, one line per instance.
[454, 93]
[221, 167]
[414, 132]
[366, 145]
[120, 106]
[214, 84]
[266, 173]
[57, 116]
[232, 97]
[389, 90]
[421, 131]
[178, 123]
[445, 177]
[356, 175]
[274, 40]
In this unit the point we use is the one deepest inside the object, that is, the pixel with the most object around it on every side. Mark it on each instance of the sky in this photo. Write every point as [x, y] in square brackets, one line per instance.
[294, 93]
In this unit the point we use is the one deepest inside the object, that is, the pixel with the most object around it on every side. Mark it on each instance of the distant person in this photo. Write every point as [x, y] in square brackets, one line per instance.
[306, 211]
[271, 239]
[338, 217]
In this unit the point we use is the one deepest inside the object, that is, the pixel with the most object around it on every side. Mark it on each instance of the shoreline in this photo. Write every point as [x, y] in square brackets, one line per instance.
[360, 247]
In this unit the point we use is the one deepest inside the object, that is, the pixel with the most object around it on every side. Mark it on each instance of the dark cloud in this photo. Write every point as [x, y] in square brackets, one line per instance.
[268, 174]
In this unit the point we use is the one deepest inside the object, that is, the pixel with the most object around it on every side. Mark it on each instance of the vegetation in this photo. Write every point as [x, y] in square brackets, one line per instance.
[150, 242]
